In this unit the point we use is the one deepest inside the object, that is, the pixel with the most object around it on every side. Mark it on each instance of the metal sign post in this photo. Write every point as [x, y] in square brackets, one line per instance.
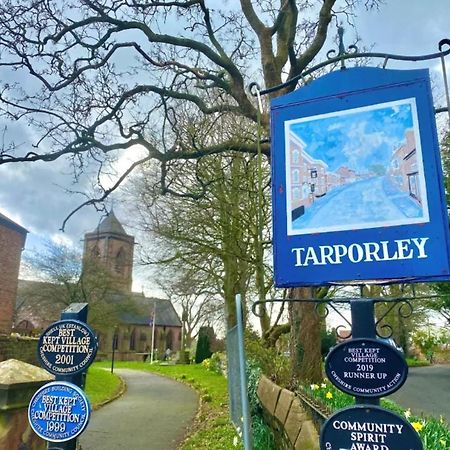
[246, 418]
[60, 411]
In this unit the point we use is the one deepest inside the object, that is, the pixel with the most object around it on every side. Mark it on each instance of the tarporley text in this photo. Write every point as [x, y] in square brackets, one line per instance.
[364, 252]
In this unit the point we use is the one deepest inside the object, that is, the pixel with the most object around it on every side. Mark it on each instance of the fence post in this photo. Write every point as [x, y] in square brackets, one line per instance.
[246, 419]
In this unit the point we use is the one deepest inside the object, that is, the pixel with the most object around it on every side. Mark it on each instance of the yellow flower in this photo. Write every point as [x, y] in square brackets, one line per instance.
[329, 395]
[417, 426]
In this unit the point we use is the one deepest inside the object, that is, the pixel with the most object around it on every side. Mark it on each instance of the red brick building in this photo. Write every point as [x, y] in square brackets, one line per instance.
[12, 242]
[403, 168]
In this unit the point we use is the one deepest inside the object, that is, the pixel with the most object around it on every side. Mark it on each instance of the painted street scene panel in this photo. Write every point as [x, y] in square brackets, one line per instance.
[354, 169]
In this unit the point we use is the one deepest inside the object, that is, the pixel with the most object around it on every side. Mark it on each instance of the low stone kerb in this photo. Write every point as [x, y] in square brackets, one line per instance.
[284, 403]
[294, 420]
[308, 439]
[268, 394]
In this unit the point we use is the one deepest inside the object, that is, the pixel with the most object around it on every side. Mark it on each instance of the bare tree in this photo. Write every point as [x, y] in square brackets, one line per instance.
[208, 243]
[199, 305]
[101, 76]
[98, 77]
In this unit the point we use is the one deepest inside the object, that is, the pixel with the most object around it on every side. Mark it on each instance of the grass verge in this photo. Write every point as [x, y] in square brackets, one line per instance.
[101, 386]
[417, 362]
[211, 428]
[435, 433]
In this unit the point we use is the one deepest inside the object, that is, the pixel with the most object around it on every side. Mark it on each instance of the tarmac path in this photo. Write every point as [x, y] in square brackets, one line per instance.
[427, 390]
[153, 414]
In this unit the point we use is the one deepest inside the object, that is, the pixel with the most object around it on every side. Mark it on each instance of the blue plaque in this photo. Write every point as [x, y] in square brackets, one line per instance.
[67, 347]
[366, 367]
[59, 411]
[368, 427]
[357, 182]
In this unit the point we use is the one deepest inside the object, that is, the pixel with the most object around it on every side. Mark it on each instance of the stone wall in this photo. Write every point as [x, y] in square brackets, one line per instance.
[21, 348]
[289, 421]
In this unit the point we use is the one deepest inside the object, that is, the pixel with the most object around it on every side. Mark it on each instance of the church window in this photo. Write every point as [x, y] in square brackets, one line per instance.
[120, 261]
[95, 251]
[133, 340]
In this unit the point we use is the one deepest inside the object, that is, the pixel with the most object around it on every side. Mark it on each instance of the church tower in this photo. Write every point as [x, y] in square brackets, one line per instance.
[110, 246]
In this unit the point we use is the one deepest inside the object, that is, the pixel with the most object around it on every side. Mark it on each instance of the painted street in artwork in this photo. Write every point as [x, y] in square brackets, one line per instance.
[375, 199]
[355, 169]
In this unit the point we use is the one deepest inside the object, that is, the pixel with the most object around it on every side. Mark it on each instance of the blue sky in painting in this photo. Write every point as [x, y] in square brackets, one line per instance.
[359, 139]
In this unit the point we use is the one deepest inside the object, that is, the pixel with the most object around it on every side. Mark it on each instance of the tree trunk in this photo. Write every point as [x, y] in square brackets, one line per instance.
[305, 338]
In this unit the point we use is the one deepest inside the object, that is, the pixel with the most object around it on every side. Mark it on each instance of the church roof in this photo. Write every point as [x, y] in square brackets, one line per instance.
[110, 224]
[165, 314]
[41, 304]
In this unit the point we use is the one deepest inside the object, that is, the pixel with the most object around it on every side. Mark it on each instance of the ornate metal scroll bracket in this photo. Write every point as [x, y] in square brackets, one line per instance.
[404, 310]
[402, 305]
[352, 49]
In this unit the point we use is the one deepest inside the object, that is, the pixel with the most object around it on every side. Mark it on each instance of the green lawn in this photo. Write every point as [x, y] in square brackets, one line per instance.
[212, 428]
[101, 385]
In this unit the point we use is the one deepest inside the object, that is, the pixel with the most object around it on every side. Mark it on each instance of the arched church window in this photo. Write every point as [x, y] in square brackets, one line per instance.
[133, 340]
[95, 251]
[120, 261]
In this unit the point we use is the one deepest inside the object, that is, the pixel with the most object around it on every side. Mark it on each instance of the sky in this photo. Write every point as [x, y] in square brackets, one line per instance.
[35, 194]
[357, 138]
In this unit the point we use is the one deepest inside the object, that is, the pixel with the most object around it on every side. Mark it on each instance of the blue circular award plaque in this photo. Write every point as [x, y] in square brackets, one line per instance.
[59, 411]
[67, 347]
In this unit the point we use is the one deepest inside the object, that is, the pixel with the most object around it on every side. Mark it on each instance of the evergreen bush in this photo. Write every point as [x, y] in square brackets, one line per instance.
[203, 348]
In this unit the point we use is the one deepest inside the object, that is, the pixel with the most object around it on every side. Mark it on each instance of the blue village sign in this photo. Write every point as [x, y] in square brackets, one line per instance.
[67, 347]
[59, 411]
[357, 181]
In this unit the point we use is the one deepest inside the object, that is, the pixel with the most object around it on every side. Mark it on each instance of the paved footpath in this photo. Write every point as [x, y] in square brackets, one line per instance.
[153, 414]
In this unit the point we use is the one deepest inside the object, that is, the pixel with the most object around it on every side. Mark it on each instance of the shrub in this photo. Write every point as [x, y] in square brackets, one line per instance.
[263, 438]
[203, 347]
[273, 364]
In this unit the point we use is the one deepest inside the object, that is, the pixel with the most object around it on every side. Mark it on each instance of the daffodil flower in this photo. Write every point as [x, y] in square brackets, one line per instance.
[418, 426]
[329, 395]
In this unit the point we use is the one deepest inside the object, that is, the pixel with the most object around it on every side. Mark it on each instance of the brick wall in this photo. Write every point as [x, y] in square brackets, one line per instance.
[11, 244]
[20, 348]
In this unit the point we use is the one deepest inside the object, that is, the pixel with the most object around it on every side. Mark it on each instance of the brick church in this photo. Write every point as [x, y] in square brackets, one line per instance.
[111, 248]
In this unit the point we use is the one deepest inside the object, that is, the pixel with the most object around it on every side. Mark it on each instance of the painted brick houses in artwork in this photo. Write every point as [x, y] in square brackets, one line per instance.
[310, 178]
[12, 242]
[403, 171]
